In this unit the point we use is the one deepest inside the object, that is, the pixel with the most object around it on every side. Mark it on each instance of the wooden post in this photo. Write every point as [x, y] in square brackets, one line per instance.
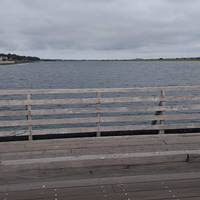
[29, 117]
[98, 113]
[162, 103]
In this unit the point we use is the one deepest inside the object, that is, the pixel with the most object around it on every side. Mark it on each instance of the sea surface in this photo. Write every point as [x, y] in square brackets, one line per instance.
[94, 74]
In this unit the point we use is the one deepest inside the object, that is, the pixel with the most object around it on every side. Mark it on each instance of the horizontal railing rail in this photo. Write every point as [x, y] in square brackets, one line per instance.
[68, 111]
[94, 90]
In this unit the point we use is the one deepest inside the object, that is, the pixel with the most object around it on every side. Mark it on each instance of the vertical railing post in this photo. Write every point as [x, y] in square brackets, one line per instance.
[98, 113]
[29, 117]
[162, 103]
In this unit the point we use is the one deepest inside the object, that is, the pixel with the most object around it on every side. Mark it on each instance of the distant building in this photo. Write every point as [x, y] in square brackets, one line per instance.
[3, 58]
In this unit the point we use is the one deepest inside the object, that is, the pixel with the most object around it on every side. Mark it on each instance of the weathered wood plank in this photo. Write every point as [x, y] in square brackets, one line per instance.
[99, 150]
[65, 131]
[14, 133]
[100, 181]
[174, 117]
[4, 113]
[65, 111]
[117, 109]
[12, 123]
[86, 120]
[102, 157]
[73, 143]
[94, 90]
[182, 98]
[61, 150]
[171, 141]
[29, 117]
[149, 127]
[103, 109]
[77, 101]
[94, 100]
[48, 102]
[49, 131]
[107, 129]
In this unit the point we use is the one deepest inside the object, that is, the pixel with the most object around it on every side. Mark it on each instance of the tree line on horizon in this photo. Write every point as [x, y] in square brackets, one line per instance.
[18, 58]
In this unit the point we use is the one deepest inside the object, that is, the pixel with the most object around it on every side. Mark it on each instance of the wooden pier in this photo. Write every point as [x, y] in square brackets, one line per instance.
[125, 167]
[100, 153]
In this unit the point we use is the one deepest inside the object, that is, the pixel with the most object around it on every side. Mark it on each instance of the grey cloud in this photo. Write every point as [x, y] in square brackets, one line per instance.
[100, 28]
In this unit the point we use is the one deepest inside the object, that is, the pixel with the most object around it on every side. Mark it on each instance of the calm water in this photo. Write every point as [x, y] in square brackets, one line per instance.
[84, 74]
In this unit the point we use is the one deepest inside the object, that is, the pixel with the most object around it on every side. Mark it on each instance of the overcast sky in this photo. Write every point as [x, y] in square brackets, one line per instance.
[95, 29]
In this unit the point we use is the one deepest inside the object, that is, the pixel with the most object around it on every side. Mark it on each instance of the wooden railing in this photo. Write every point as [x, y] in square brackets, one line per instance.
[68, 111]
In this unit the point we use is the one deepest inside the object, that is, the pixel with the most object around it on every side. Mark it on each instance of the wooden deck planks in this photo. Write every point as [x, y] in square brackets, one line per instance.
[101, 145]
[146, 188]
[44, 169]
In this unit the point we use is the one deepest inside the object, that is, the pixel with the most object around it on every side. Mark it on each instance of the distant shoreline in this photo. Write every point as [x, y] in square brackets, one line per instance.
[114, 60]
[10, 59]
[7, 62]
[2, 63]
[15, 62]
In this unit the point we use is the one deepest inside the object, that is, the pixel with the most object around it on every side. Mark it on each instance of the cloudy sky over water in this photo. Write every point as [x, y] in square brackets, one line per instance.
[95, 29]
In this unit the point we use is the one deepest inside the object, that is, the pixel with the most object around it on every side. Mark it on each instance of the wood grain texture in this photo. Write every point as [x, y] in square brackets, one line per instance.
[133, 112]
[94, 90]
[47, 169]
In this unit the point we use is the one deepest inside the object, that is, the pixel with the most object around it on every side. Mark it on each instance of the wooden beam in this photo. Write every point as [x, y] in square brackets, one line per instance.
[102, 90]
